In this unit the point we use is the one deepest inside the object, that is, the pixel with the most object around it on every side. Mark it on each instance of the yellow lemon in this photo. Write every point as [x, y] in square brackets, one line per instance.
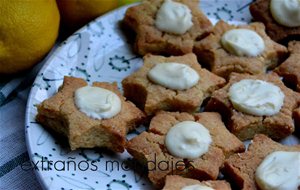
[125, 2]
[76, 13]
[28, 30]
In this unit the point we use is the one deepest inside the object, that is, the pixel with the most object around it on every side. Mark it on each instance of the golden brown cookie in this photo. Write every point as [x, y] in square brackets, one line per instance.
[245, 126]
[240, 168]
[175, 182]
[211, 53]
[260, 11]
[60, 114]
[149, 148]
[290, 69]
[149, 39]
[297, 119]
[152, 97]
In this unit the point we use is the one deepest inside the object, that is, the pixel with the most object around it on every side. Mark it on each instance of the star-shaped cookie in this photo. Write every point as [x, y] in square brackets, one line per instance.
[60, 114]
[153, 97]
[240, 168]
[149, 39]
[149, 148]
[244, 125]
[260, 11]
[211, 53]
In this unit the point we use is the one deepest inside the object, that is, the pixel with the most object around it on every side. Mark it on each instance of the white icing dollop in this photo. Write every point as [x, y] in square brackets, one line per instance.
[175, 76]
[279, 171]
[197, 187]
[243, 42]
[256, 97]
[97, 103]
[188, 139]
[174, 17]
[286, 12]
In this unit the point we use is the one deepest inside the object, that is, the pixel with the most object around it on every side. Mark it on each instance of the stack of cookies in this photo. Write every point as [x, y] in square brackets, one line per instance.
[202, 90]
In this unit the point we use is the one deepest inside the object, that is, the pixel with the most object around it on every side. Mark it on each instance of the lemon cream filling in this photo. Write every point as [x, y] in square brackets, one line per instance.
[243, 42]
[174, 17]
[256, 97]
[174, 76]
[197, 187]
[97, 103]
[280, 170]
[286, 12]
[188, 139]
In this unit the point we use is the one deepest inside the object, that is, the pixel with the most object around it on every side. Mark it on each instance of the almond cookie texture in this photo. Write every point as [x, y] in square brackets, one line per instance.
[149, 148]
[240, 168]
[149, 39]
[245, 126]
[60, 114]
[152, 97]
[260, 11]
[290, 68]
[212, 54]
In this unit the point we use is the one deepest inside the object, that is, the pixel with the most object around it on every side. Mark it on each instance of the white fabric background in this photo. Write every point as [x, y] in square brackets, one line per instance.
[13, 152]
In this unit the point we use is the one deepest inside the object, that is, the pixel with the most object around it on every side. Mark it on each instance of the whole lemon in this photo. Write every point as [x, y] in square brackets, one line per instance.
[76, 13]
[28, 30]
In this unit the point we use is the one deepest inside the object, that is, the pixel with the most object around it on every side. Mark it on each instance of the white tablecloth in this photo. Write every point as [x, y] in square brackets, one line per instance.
[13, 153]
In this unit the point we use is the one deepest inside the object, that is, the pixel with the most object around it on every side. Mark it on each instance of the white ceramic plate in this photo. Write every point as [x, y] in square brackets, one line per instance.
[97, 52]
